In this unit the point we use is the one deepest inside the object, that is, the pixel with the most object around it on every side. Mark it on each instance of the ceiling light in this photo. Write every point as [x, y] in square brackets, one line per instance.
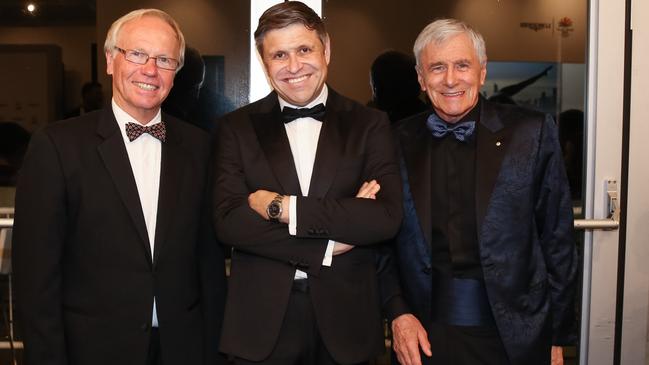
[31, 7]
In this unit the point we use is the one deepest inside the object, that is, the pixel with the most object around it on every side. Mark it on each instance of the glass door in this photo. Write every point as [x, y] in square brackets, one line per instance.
[615, 286]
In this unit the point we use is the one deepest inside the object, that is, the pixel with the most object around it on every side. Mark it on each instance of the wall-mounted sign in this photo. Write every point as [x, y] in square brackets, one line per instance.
[536, 26]
[563, 25]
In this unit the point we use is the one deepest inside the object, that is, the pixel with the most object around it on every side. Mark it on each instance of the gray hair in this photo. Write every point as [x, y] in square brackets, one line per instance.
[441, 30]
[116, 27]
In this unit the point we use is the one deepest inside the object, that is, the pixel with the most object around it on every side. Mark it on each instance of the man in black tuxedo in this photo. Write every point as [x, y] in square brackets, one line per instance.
[290, 186]
[486, 252]
[114, 256]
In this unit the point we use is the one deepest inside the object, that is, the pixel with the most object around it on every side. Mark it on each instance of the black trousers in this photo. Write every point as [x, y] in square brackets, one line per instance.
[299, 341]
[465, 345]
[154, 357]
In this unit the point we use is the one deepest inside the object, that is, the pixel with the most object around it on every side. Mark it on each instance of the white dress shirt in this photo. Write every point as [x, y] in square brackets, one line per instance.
[303, 134]
[145, 155]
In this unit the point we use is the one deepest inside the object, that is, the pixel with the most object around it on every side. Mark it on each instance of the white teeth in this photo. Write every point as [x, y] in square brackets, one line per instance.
[453, 94]
[301, 78]
[144, 86]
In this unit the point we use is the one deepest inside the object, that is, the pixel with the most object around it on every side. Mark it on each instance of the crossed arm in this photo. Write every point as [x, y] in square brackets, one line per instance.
[242, 193]
[260, 199]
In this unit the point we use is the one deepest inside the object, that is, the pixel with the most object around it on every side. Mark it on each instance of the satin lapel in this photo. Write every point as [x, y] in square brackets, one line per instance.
[493, 142]
[274, 142]
[416, 145]
[329, 150]
[171, 172]
[113, 153]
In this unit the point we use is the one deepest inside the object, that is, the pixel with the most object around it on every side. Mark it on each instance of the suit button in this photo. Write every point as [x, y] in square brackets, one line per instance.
[311, 231]
[427, 270]
[145, 327]
[293, 263]
[303, 265]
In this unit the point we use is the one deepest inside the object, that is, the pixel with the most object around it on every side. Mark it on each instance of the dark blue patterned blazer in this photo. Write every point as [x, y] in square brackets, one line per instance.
[524, 218]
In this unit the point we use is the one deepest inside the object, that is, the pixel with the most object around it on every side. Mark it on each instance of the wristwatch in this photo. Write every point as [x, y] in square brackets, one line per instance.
[274, 209]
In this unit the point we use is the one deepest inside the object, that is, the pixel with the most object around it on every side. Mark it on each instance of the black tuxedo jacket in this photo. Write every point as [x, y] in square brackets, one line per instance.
[253, 152]
[85, 278]
[524, 220]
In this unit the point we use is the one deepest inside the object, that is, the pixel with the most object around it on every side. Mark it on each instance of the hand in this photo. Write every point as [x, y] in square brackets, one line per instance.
[340, 248]
[557, 355]
[408, 335]
[259, 200]
[367, 191]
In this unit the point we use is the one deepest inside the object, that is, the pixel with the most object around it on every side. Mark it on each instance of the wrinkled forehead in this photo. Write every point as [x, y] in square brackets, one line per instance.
[454, 49]
[149, 30]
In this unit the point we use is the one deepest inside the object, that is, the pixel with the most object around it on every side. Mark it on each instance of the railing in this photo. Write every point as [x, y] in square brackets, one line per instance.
[6, 223]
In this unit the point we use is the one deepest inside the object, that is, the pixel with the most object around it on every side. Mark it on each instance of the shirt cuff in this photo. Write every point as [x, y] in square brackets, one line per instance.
[328, 257]
[292, 215]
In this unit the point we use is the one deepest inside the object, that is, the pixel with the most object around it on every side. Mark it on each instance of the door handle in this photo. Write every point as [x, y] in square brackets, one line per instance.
[612, 221]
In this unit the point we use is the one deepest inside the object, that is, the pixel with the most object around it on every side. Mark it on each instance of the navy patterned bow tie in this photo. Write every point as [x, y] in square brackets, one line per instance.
[290, 114]
[439, 128]
[158, 130]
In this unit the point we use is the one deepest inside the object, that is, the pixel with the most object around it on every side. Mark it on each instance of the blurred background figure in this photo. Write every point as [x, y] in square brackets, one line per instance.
[571, 138]
[182, 101]
[191, 99]
[92, 98]
[395, 89]
[13, 144]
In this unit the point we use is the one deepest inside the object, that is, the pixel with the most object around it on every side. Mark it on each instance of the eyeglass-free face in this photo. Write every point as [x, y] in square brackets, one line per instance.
[451, 75]
[296, 63]
[140, 89]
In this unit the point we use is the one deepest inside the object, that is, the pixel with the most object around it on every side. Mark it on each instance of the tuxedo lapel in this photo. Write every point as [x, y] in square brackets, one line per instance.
[416, 146]
[492, 144]
[328, 153]
[171, 172]
[114, 155]
[272, 138]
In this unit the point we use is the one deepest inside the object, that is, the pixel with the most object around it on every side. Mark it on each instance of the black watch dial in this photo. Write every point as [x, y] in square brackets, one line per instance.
[274, 209]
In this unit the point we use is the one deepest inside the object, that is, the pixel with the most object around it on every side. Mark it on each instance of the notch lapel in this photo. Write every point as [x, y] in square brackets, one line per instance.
[113, 153]
[416, 146]
[171, 171]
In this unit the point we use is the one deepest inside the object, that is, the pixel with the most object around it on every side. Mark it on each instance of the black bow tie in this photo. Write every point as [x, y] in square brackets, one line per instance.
[158, 130]
[439, 128]
[290, 114]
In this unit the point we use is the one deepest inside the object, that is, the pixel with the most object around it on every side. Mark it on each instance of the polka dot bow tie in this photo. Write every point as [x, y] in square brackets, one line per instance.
[158, 130]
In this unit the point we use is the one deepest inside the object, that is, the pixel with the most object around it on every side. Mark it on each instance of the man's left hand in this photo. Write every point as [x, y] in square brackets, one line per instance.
[557, 355]
[259, 200]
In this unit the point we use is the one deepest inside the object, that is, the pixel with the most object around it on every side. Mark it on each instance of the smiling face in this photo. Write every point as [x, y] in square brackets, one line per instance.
[451, 75]
[296, 63]
[140, 89]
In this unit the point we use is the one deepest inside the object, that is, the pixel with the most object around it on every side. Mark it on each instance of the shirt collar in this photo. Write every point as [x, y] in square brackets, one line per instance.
[321, 99]
[123, 117]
